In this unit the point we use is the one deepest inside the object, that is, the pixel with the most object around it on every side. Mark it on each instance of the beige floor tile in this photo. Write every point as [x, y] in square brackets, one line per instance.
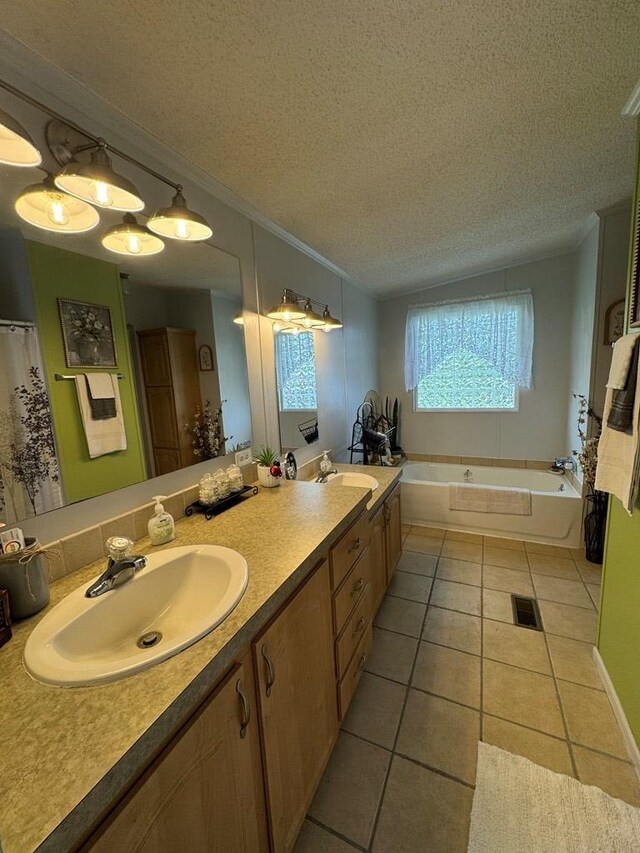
[528, 698]
[551, 550]
[462, 536]
[590, 719]
[422, 811]
[375, 710]
[507, 580]
[507, 559]
[617, 778]
[456, 596]
[418, 564]
[517, 646]
[391, 656]
[576, 623]
[557, 567]
[508, 544]
[315, 839]
[400, 615]
[441, 734]
[422, 544]
[460, 571]
[497, 605]
[542, 749]
[573, 661]
[349, 793]
[413, 587]
[424, 530]
[449, 628]
[590, 573]
[448, 673]
[594, 592]
[470, 551]
[561, 590]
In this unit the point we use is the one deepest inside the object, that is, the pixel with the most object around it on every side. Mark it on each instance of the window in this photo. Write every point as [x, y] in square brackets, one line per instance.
[296, 368]
[470, 355]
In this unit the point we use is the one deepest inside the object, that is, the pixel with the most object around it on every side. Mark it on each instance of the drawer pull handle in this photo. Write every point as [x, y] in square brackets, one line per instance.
[358, 586]
[271, 673]
[355, 546]
[361, 663]
[359, 627]
[245, 710]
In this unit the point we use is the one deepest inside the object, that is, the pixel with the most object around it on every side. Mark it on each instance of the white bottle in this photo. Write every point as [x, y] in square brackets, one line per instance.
[161, 525]
[325, 462]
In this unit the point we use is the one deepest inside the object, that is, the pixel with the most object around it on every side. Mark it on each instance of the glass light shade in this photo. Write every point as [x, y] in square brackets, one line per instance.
[178, 222]
[16, 146]
[311, 319]
[130, 238]
[44, 206]
[287, 310]
[97, 183]
[330, 322]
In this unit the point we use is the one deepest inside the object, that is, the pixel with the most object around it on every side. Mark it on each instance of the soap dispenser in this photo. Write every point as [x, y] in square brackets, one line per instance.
[325, 462]
[161, 524]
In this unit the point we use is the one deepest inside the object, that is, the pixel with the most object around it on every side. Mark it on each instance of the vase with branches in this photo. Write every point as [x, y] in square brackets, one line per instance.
[207, 437]
[587, 456]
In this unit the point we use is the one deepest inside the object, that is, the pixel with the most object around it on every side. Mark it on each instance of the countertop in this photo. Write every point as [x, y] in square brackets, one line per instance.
[68, 754]
[386, 475]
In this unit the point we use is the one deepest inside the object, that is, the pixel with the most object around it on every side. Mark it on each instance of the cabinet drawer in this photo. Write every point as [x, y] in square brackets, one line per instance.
[345, 552]
[354, 629]
[351, 591]
[347, 686]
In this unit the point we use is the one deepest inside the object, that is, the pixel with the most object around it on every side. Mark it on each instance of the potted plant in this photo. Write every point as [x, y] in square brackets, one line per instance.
[269, 471]
[595, 519]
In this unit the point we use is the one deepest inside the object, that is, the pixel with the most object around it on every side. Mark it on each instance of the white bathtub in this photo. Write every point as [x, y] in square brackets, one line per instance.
[556, 507]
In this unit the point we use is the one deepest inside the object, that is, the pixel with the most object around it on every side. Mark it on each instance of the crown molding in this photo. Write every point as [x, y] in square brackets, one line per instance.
[32, 74]
[632, 107]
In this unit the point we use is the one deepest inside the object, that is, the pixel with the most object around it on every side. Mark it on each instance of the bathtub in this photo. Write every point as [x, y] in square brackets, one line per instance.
[556, 507]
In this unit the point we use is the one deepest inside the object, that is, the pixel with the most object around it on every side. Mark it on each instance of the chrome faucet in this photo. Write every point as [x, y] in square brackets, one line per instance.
[565, 463]
[121, 567]
[323, 476]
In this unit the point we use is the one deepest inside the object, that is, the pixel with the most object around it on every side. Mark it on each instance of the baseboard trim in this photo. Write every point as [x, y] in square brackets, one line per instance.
[633, 751]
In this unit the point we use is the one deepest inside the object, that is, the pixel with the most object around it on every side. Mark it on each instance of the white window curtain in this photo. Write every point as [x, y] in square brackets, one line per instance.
[498, 328]
[295, 365]
[29, 473]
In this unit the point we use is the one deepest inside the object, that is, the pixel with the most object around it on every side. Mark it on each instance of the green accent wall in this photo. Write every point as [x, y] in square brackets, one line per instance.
[619, 630]
[59, 273]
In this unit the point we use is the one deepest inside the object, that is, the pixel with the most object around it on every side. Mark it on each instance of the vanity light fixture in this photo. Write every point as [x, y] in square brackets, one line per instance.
[131, 238]
[330, 322]
[178, 222]
[45, 206]
[288, 309]
[98, 183]
[239, 319]
[16, 146]
[311, 319]
[294, 330]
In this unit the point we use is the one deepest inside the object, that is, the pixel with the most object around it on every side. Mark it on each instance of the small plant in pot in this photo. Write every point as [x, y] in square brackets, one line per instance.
[269, 471]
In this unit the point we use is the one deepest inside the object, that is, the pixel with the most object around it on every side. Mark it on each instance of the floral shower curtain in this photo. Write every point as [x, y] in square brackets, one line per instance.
[29, 472]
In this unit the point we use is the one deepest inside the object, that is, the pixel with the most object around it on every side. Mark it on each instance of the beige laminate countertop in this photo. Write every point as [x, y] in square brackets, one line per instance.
[386, 476]
[68, 754]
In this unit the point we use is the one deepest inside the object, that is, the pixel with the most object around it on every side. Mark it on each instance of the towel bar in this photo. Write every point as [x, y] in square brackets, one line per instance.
[59, 376]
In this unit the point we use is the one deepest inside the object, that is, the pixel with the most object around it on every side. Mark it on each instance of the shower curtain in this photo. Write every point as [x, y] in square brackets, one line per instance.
[29, 472]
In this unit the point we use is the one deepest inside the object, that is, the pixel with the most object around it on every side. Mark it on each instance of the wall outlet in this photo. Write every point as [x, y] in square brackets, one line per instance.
[243, 457]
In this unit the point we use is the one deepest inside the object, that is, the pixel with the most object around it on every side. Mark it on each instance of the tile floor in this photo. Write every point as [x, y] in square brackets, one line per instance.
[447, 668]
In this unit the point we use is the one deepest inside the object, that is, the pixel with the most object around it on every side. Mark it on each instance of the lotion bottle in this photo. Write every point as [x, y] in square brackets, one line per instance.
[161, 524]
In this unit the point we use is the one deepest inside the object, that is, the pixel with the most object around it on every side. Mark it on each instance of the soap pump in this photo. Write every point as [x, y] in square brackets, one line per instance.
[161, 525]
[325, 462]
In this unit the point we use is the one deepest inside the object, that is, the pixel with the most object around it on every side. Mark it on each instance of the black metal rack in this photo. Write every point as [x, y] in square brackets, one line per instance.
[369, 433]
[210, 510]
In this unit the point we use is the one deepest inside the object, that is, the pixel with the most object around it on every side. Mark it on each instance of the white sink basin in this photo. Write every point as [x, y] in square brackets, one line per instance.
[182, 593]
[351, 478]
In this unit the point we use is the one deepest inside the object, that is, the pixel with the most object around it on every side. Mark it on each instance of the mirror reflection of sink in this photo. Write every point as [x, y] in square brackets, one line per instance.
[351, 478]
[181, 595]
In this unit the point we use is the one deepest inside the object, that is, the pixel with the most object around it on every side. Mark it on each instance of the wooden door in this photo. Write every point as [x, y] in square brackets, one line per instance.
[296, 684]
[393, 531]
[377, 548]
[205, 792]
[186, 387]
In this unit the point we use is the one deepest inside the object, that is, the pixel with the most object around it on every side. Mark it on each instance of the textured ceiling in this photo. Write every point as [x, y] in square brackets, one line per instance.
[409, 141]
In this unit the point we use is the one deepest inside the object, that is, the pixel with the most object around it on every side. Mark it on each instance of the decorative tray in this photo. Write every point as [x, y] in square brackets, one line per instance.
[209, 510]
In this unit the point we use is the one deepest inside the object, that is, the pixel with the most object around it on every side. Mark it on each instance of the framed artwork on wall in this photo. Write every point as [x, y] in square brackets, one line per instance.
[614, 322]
[205, 355]
[87, 334]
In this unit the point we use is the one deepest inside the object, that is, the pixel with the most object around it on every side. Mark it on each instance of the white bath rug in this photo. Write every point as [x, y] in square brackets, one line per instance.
[519, 806]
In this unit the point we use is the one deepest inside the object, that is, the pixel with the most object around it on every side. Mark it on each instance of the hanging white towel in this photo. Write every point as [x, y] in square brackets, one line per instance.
[618, 454]
[474, 497]
[620, 361]
[103, 436]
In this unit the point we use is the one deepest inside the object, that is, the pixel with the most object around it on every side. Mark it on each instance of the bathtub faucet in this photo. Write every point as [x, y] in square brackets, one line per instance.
[565, 463]
[467, 475]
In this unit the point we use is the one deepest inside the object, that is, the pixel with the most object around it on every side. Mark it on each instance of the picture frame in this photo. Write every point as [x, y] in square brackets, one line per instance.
[87, 334]
[614, 322]
[205, 357]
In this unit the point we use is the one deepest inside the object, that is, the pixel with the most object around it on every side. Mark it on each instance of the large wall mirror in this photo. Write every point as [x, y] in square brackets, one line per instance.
[297, 393]
[159, 349]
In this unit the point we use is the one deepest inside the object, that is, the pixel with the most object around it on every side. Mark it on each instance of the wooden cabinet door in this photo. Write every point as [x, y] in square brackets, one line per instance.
[298, 705]
[154, 356]
[393, 531]
[162, 417]
[205, 793]
[377, 547]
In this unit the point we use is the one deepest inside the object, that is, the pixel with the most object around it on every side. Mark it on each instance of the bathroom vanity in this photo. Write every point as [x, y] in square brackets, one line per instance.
[221, 747]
